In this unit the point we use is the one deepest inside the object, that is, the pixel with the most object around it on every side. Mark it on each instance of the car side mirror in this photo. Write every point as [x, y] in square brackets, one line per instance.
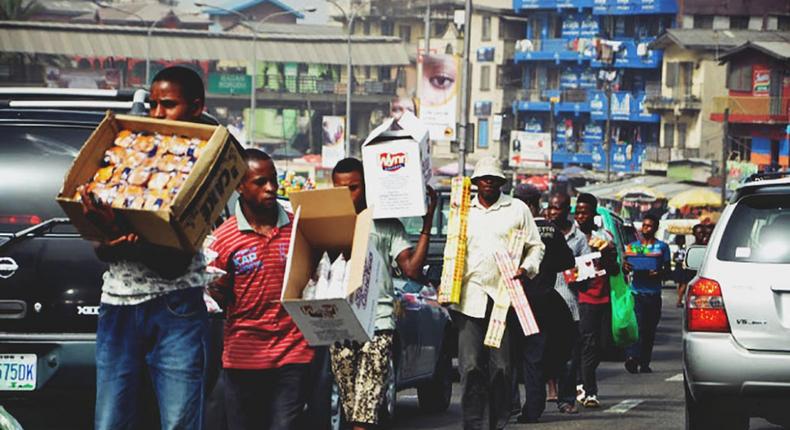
[695, 255]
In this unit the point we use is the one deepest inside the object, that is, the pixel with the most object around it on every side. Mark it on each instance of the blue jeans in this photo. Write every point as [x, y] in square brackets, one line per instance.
[165, 338]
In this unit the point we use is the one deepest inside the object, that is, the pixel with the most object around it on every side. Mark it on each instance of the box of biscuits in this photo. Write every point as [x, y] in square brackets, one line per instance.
[167, 181]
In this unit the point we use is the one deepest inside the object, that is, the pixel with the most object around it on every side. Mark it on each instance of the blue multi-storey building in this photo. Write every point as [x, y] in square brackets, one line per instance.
[573, 52]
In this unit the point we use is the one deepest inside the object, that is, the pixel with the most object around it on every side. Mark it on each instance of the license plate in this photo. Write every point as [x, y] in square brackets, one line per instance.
[17, 372]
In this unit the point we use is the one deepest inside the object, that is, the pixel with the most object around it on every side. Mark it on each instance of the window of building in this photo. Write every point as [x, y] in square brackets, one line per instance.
[387, 29]
[502, 30]
[739, 22]
[669, 135]
[401, 77]
[367, 72]
[703, 21]
[485, 32]
[681, 136]
[366, 28]
[485, 78]
[439, 28]
[672, 72]
[384, 73]
[405, 33]
[739, 77]
[482, 134]
[783, 23]
[500, 77]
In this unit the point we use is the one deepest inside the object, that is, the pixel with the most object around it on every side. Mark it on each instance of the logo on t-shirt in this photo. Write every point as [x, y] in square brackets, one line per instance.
[246, 260]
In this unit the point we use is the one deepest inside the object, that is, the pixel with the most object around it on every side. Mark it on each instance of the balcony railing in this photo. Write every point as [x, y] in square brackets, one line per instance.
[683, 100]
[317, 85]
[752, 109]
[554, 49]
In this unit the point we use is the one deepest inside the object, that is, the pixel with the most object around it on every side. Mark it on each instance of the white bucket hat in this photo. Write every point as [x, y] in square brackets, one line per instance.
[488, 166]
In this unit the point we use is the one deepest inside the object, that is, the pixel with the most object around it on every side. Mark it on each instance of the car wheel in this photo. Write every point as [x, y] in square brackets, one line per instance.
[709, 415]
[387, 408]
[436, 394]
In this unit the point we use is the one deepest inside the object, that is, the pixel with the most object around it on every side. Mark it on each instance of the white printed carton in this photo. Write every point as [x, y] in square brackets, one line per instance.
[325, 221]
[397, 161]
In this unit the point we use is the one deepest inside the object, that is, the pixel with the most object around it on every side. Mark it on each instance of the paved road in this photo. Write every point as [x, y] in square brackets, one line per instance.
[642, 401]
[653, 401]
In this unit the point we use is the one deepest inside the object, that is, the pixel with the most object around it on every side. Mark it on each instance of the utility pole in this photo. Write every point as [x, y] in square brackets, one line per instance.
[427, 50]
[607, 137]
[725, 150]
[465, 93]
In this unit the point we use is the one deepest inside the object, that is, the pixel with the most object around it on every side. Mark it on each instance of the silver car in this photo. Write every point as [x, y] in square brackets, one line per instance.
[736, 334]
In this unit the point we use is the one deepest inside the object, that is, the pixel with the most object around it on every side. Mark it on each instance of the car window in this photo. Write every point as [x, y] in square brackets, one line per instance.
[758, 231]
[33, 163]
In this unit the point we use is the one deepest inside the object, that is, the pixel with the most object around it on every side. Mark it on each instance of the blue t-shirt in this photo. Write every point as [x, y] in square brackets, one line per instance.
[641, 283]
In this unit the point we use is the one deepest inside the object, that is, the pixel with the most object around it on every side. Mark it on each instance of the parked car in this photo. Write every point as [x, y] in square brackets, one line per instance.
[736, 331]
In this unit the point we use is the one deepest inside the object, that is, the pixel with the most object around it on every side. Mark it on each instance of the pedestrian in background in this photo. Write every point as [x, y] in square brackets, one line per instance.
[486, 378]
[265, 357]
[361, 371]
[594, 302]
[559, 212]
[153, 322]
[539, 352]
[646, 288]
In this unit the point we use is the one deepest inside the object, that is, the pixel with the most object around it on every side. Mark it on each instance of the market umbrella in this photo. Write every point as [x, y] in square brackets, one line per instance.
[639, 194]
[540, 182]
[697, 197]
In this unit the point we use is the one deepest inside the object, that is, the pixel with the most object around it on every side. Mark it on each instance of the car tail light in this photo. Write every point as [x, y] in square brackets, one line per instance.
[705, 307]
[20, 219]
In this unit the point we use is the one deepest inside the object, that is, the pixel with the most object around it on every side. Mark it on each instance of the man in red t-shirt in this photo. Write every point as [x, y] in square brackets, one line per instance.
[265, 357]
[594, 307]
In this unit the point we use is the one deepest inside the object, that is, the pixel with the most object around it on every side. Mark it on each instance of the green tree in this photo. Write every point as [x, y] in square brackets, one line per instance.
[18, 10]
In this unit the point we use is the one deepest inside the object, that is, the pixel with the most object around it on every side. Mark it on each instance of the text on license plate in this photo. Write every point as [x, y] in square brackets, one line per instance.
[17, 372]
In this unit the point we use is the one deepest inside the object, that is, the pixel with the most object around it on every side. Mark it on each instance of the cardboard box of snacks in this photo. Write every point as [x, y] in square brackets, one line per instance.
[167, 181]
[325, 221]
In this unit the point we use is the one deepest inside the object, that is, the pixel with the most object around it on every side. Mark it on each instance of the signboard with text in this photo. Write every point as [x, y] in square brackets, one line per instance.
[530, 150]
[229, 83]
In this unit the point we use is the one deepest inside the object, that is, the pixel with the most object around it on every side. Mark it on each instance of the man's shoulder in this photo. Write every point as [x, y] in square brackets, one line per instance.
[227, 229]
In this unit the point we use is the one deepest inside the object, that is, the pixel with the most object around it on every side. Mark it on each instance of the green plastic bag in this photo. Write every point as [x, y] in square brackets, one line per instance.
[624, 328]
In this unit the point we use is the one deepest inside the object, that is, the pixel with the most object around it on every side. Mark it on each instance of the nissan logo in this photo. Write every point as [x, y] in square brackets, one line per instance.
[7, 267]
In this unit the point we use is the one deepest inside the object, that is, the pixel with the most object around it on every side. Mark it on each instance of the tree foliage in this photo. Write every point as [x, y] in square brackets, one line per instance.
[18, 10]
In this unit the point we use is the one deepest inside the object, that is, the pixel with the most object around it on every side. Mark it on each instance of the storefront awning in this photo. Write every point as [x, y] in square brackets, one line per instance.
[173, 45]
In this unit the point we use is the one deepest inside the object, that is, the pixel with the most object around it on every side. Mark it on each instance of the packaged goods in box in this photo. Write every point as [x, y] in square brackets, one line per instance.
[643, 257]
[397, 168]
[167, 181]
[325, 222]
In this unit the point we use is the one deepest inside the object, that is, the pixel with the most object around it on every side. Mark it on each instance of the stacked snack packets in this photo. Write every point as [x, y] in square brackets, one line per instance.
[292, 183]
[510, 292]
[330, 280]
[144, 170]
[455, 247]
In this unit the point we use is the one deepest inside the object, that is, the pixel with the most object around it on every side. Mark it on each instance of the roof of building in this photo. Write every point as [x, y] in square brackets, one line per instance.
[705, 39]
[300, 29]
[240, 5]
[133, 13]
[65, 7]
[168, 44]
[778, 50]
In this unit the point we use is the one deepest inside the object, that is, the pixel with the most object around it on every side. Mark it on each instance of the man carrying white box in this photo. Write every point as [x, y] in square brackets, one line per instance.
[361, 370]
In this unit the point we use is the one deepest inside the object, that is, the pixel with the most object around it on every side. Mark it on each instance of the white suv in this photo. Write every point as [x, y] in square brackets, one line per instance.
[736, 334]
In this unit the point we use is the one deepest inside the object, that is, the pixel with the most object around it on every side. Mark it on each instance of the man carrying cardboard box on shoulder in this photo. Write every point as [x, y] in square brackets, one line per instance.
[265, 359]
[361, 370]
[152, 313]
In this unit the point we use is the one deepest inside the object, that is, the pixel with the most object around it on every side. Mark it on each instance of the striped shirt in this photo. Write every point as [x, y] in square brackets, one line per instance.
[259, 333]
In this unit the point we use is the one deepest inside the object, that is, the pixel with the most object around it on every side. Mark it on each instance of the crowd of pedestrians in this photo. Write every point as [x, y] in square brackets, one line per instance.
[153, 319]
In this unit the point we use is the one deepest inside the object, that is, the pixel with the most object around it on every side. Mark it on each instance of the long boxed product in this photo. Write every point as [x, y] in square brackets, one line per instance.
[455, 245]
[167, 181]
[325, 227]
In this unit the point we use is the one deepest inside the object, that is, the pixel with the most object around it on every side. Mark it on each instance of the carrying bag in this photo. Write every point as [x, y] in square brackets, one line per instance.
[624, 328]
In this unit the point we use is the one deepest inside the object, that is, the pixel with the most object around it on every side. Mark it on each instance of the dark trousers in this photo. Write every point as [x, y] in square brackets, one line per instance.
[486, 374]
[265, 399]
[532, 348]
[648, 313]
[593, 321]
[566, 386]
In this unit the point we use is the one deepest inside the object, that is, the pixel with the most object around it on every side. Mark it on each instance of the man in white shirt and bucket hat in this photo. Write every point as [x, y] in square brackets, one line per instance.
[486, 373]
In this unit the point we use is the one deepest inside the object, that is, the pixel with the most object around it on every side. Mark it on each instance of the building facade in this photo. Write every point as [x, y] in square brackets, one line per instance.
[587, 63]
